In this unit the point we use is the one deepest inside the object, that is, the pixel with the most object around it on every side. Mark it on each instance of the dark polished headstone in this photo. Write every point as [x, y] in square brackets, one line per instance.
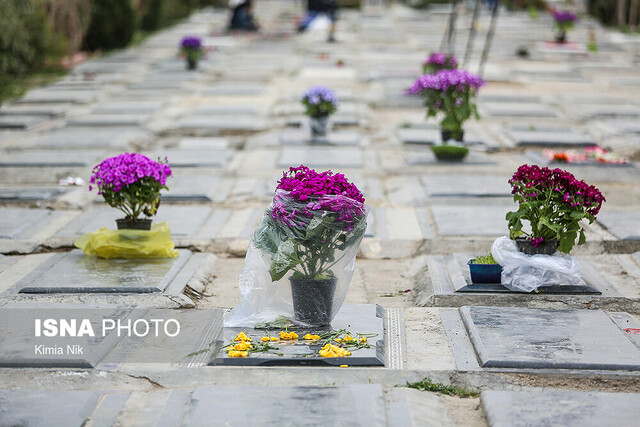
[364, 319]
[507, 337]
[354, 405]
[560, 408]
[74, 272]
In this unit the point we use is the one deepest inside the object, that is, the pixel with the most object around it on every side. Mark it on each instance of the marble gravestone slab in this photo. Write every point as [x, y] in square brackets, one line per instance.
[411, 135]
[471, 220]
[247, 123]
[598, 111]
[466, 185]
[560, 407]
[193, 158]
[228, 109]
[550, 138]
[624, 225]
[21, 347]
[195, 188]
[183, 220]
[30, 194]
[509, 337]
[357, 405]
[128, 107]
[204, 143]
[341, 138]
[74, 272]
[413, 158]
[624, 125]
[51, 158]
[91, 137]
[47, 408]
[321, 157]
[355, 318]
[48, 96]
[540, 159]
[21, 223]
[235, 89]
[105, 120]
[501, 98]
[25, 122]
[513, 109]
[34, 110]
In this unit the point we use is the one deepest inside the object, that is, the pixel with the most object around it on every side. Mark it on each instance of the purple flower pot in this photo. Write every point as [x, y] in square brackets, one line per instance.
[485, 273]
[546, 247]
[313, 300]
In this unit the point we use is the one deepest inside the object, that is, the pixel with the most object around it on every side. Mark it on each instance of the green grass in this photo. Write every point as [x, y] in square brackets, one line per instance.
[451, 390]
[484, 259]
[14, 87]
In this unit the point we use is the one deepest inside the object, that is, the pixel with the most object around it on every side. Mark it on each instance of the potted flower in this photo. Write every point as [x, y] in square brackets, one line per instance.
[313, 230]
[191, 49]
[564, 21]
[438, 61]
[485, 269]
[131, 183]
[554, 202]
[319, 103]
[449, 93]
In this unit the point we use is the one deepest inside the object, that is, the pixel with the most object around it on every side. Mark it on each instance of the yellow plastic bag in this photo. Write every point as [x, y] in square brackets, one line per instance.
[105, 243]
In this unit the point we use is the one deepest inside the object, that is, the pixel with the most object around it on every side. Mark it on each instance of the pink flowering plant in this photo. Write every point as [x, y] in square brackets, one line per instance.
[314, 220]
[439, 61]
[554, 202]
[449, 93]
[131, 183]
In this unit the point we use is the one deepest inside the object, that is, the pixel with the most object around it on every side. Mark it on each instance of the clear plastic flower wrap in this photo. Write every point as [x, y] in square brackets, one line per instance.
[302, 256]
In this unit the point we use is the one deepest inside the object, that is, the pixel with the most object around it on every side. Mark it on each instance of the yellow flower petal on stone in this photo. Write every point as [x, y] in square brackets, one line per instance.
[234, 353]
[363, 339]
[264, 339]
[275, 339]
[242, 337]
[344, 366]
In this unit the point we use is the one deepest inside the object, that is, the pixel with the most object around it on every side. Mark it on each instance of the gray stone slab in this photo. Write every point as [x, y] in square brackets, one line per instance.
[357, 405]
[598, 111]
[466, 185]
[321, 157]
[211, 143]
[428, 158]
[246, 123]
[22, 347]
[34, 110]
[235, 89]
[46, 408]
[560, 408]
[228, 109]
[105, 120]
[30, 194]
[21, 223]
[51, 158]
[551, 138]
[512, 109]
[355, 318]
[504, 337]
[77, 137]
[183, 220]
[471, 220]
[130, 107]
[44, 96]
[333, 138]
[195, 188]
[419, 136]
[74, 272]
[194, 158]
[625, 125]
[624, 225]
[501, 98]
[17, 122]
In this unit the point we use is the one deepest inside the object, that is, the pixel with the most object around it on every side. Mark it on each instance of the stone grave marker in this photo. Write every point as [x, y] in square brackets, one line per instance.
[551, 138]
[624, 225]
[466, 185]
[340, 138]
[74, 272]
[183, 220]
[22, 223]
[47, 408]
[30, 194]
[193, 158]
[624, 125]
[106, 120]
[283, 405]
[560, 407]
[321, 157]
[428, 158]
[90, 137]
[505, 337]
[363, 319]
[196, 188]
[48, 96]
[51, 158]
[228, 109]
[22, 122]
[34, 110]
[606, 111]
[212, 143]
[512, 109]
[128, 107]
[471, 220]
[230, 88]
[238, 123]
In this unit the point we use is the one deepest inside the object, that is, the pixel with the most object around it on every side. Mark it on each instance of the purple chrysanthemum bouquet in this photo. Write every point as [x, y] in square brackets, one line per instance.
[319, 101]
[439, 61]
[554, 202]
[564, 20]
[191, 48]
[449, 93]
[131, 183]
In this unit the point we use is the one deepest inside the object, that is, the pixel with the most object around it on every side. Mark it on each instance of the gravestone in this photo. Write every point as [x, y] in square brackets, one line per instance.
[30, 194]
[48, 96]
[341, 138]
[624, 125]
[428, 158]
[357, 405]
[193, 158]
[183, 220]
[47, 408]
[245, 123]
[599, 111]
[471, 220]
[210, 143]
[76, 137]
[507, 337]
[106, 120]
[363, 319]
[411, 135]
[196, 188]
[22, 223]
[34, 110]
[74, 272]
[234, 89]
[51, 158]
[19, 122]
[128, 107]
[624, 225]
[466, 185]
[550, 138]
[321, 157]
[511, 109]
[560, 407]
[228, 109]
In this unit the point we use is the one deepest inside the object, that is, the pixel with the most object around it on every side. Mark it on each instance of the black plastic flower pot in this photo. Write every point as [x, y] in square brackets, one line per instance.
[561, 37]
[485, 273]
[313, 300]
[192, 64]
[448, 135]
[546, 247]
[141, 224]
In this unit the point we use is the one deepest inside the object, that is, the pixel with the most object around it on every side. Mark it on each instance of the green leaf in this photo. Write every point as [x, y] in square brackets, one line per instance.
[284, 260]
[315, 227]
[582, 240]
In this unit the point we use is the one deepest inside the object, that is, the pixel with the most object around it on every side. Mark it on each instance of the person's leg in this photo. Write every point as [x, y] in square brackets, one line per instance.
[332, 15]
[308, 18]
